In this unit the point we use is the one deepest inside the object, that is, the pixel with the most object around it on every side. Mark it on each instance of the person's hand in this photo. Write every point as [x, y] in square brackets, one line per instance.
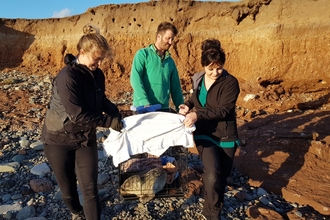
[116, 124]
[120, 117]
[183, 109]
[190, 119]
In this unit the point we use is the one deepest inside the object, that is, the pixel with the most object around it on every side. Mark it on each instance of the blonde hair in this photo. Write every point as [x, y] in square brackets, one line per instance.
[92, 41]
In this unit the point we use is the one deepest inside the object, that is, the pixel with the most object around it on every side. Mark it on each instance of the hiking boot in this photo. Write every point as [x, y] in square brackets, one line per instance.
[78, 216]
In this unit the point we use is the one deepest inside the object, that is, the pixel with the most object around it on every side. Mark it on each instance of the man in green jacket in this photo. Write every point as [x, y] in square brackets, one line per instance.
[154, 76]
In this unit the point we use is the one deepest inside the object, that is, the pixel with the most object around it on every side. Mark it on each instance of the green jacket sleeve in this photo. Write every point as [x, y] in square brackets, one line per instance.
[138, 69]
[176, 91]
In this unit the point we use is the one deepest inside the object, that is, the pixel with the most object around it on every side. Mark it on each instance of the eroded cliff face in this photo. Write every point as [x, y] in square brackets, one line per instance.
[278, 49]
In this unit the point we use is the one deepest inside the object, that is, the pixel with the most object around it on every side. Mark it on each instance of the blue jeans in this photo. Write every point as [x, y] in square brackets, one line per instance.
[70, 163]
[217, 165]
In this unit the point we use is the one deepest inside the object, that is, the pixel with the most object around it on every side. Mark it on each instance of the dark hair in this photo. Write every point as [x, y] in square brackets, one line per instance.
[164, 26]
[93, 41]
[212, 52]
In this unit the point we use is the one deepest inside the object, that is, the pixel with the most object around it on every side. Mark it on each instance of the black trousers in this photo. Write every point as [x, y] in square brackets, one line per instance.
[70, 163]
[217, 163]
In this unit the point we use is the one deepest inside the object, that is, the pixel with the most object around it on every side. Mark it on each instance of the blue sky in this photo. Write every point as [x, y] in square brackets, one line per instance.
[39, 9]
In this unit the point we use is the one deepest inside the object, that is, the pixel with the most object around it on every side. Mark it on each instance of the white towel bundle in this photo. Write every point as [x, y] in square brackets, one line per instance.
[151, 133]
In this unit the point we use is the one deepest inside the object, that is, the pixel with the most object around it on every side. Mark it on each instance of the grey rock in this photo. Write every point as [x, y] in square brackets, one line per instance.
[9, 167]
[26, 212]
[40, 169]
[37, 145]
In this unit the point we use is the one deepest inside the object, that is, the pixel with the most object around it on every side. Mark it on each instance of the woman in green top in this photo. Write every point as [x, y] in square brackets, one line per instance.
[213, 103]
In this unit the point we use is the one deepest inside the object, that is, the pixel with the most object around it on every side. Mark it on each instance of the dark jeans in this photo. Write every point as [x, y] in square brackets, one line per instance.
[217, 163]
[70, 163]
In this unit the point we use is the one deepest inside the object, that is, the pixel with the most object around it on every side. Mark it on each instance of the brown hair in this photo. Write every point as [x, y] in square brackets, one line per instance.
[164, 26]
[212, 52]
[93, 41]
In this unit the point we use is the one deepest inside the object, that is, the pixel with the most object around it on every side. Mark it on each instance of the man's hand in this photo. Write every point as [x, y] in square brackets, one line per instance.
[183, 109]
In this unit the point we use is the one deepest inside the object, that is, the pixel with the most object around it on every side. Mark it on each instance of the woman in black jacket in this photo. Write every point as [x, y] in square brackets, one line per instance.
[213, 100]
[77, 106]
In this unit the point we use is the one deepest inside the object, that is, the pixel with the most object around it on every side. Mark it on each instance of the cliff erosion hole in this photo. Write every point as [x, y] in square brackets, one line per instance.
[266, 83]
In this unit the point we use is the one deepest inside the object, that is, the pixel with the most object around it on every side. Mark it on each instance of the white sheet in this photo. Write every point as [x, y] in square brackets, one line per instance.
[151, 133]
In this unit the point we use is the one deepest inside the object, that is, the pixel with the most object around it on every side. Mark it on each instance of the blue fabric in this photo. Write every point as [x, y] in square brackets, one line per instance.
[151, 108]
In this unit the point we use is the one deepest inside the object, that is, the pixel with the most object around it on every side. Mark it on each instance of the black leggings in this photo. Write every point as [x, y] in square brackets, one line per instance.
[69, 163]
[217, 163]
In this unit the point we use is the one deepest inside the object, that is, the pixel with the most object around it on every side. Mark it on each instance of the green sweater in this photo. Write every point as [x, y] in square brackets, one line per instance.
[154, 80]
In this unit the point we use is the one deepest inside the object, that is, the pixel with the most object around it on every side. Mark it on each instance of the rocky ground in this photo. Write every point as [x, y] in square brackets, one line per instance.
[29, 189]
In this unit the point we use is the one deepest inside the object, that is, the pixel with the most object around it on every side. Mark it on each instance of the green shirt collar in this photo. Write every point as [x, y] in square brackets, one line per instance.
[167, 53]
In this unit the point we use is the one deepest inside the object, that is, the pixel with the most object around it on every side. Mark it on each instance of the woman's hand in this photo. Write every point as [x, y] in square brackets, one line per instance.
[183, 109]
[117, 124]
[190, 119]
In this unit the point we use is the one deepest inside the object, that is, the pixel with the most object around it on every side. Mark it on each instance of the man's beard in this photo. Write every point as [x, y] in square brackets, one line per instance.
[165, 46]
